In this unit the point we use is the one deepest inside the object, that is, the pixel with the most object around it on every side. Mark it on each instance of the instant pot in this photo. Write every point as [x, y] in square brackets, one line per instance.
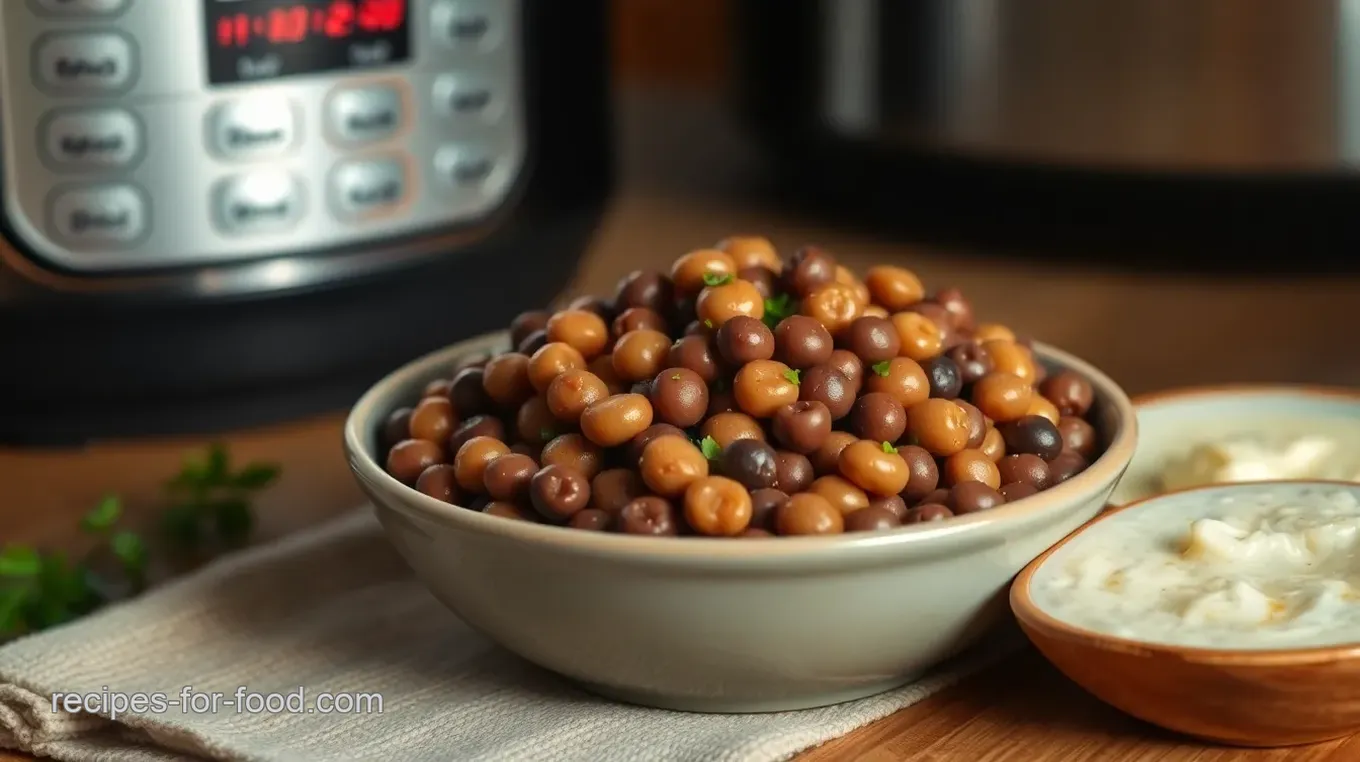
[1219, 124]
[222, 212]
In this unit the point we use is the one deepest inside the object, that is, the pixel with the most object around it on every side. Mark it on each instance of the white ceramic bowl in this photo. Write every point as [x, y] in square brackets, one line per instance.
[1172, 423]
[724, 625]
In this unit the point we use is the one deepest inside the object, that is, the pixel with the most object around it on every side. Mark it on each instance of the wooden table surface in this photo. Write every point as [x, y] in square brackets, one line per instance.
[1148, 331]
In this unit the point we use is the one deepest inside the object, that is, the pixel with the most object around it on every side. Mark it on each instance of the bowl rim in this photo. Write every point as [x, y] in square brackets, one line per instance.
[1105, 470]
[1184, 394]
[1032, 616]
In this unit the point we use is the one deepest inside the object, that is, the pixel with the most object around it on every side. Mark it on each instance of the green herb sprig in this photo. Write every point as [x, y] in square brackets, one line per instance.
[710, 448]
[777, 308]
[211, 501]
[717, 279]
[45, 588]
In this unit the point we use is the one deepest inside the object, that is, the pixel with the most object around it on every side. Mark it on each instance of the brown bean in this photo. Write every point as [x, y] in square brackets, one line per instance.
[1012, 358]
[875, 470]
[470, 464]
[640, 355]
[939, 425]
[572, 392]
[432, 419]
[687, 273]
[439, 482]
[921, 338]
[826, 459]
[834, 305]
[1002, 396]
[575, 452]
[840, 492]
[808, 514]
[971, 466]
[738, 298]
[617, 419]
[505, 380]
[895, 288]
[584, 330]
[551, 361]
[993, 445]
[901, 377]
[717, 506]
[726, 428]
[762, 387]
[407, 459]
[670, 464]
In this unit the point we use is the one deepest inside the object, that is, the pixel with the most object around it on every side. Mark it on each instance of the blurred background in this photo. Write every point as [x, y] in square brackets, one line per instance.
[1164, 188]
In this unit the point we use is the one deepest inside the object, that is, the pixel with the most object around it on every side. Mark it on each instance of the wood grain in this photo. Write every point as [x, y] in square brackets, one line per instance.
[1023, 711]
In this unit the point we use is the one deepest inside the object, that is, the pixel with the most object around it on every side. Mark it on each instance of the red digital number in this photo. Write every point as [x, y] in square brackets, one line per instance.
[287, 25]
[292, 23]
[381, 15]
[226, 32]
[340, 19]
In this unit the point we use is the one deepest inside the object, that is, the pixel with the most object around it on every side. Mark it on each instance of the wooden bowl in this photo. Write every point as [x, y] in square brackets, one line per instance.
[1171, 423]
[1255, 698]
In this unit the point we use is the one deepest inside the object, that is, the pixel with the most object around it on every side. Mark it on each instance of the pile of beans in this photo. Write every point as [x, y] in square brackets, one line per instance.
[747, 395]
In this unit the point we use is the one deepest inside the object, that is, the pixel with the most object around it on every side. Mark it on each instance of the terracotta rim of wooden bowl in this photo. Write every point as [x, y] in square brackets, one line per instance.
[1033, 617]
[1192, 393]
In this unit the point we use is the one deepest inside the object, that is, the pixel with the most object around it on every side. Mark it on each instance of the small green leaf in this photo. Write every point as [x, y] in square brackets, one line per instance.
[883, 368]
[233, 520]
[104, 515]
[130, 550]
[717, 279]
[792, 376]
[255, 476]
[708, 323]
[12, 603]
[888, 448]
[777, 308]
[19, 561]
[217, 466]
[709, 447]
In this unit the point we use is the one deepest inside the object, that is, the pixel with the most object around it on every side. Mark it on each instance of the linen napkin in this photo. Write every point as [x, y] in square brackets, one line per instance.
[335, 611]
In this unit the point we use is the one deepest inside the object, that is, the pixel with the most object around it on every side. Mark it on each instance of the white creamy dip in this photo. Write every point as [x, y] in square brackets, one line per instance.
[1242, 567]
[1245, 459]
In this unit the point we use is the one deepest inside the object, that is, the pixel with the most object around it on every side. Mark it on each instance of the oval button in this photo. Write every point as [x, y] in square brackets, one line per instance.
[89, 140]
[253, 128]
[85, 63]
[114, 215]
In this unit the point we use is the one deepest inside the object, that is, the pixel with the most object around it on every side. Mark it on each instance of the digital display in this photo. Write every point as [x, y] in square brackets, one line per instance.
[251, 40]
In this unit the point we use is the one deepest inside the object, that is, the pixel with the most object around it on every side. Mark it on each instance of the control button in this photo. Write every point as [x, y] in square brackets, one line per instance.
[464, 167]
[463, 96]
[368, 188]
[109, 216]
[365, 114]
[78, 7]
[103, 139]
[467, 24]
[254, 128]
[85, 63]
[261, 202]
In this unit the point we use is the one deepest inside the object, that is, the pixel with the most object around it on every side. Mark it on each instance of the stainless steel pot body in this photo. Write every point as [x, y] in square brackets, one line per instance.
[1164, 85]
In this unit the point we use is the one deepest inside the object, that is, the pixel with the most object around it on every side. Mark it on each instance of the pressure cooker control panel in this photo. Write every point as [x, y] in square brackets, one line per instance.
[141, 134]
